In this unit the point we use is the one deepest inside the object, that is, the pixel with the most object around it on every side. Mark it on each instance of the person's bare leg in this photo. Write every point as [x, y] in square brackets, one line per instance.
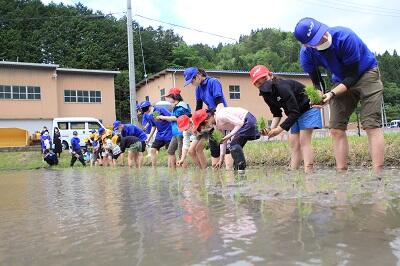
[295, 151]
[228, 162]
[307, 150]
[200, 154]
[340, 149]
[376, 146]
[136, 159]
[153, 153]
[192, 152]
[140, 160]
[130, 158]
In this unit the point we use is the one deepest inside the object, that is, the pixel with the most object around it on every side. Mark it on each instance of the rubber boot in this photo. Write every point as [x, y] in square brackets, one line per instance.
[239, 161]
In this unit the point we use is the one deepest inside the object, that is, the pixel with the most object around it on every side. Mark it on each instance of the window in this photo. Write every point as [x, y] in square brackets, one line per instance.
[34, 93]
[234, 92]
[162, 94]
[62, 125]
[147, 98]
[5, 92]
[93, 125]
[78, 125]
[17, 92]
[81, 96]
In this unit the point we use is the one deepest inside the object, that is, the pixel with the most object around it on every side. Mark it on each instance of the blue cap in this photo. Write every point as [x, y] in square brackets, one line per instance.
[137, 106]
[116, 124]
[144, 104]
[310, 31]
[189, 74]
[75, 133]
[102, 130]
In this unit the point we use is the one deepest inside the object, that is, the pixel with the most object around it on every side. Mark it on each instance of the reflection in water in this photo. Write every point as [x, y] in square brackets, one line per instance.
[126, 217]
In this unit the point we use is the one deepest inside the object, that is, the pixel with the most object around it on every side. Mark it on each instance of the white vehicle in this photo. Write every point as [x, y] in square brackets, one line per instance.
[394, 123]
[67, 125]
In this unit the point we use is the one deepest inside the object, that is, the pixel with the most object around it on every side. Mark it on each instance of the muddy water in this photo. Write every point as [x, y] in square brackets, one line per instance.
[122, 217]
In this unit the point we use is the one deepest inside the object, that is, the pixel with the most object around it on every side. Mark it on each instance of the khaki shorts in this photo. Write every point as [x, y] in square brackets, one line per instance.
[369, 92]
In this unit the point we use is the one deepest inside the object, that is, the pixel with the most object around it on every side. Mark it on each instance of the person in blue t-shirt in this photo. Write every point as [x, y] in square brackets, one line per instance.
[180, 108]
[208, 91]
[356, 77]
[132, 130]
[164, 129]
[76, 152]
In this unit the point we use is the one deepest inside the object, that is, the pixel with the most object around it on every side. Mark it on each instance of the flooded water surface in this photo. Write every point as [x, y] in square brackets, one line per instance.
[124, 217]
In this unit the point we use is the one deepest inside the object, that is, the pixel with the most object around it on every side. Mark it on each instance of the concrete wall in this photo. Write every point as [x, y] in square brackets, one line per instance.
[31, 125]
[44, 108]
[104, 111]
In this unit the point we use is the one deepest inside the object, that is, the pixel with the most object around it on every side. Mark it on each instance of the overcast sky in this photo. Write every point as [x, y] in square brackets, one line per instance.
[377, 22]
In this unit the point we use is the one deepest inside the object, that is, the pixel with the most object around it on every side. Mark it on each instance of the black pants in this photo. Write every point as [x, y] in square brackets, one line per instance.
[77, 155]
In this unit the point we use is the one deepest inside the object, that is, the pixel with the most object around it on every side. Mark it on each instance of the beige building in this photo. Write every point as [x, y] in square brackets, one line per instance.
[237, 87]
[31, 95]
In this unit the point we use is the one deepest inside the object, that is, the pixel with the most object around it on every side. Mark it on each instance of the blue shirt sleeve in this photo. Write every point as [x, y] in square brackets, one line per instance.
[306, 60]
[216, 88]
[198, 96]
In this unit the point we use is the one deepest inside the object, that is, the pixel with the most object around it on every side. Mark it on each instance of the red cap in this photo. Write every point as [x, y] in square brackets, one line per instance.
[173, 91]
[198, 117]
[258, 72]
[183, 123]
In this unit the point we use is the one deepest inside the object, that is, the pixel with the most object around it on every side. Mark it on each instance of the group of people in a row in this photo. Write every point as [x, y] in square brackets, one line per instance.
[355, 75]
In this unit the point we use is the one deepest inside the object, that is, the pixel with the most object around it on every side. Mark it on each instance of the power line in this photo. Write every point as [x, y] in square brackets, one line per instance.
[366, 6]
[187, 28]
[351, 9]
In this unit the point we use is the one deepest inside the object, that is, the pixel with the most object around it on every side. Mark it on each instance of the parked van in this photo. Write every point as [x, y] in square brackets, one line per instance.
[394, 123]
[67, 125]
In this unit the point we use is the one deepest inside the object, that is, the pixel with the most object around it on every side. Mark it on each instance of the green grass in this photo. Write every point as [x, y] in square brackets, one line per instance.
[270, 153]
[156, 114]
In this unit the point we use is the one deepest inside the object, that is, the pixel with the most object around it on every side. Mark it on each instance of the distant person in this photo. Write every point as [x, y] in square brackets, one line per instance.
[185, 126]
[45, 141]
[50, 157]
[134, 146]
[57, 142]
[126, 130]
[301, 119]
[179, 108]
[76, 152]
[208, 91]
[356, 77]
[164, 129]
[45, 129]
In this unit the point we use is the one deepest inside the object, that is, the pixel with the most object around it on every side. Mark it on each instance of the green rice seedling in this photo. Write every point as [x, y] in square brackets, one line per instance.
[217, 135]
[261, 124]
[156, 114]
[313, 94]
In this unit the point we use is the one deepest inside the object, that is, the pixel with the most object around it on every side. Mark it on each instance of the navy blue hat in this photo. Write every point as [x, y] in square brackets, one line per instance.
[310, 31]
[75, 133]
[116, 124]
[189, 74]
[102, 130]
[144, 104]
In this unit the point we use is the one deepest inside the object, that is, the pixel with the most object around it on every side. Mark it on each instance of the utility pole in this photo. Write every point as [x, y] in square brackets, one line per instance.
[131, 65]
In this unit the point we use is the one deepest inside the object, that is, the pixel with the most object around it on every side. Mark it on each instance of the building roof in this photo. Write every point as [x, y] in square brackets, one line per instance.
[217, 71]
[29, 65]
[59, 69]
[87, 71]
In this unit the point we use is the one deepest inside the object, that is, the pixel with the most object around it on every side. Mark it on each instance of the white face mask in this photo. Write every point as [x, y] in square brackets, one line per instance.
[326, 44]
